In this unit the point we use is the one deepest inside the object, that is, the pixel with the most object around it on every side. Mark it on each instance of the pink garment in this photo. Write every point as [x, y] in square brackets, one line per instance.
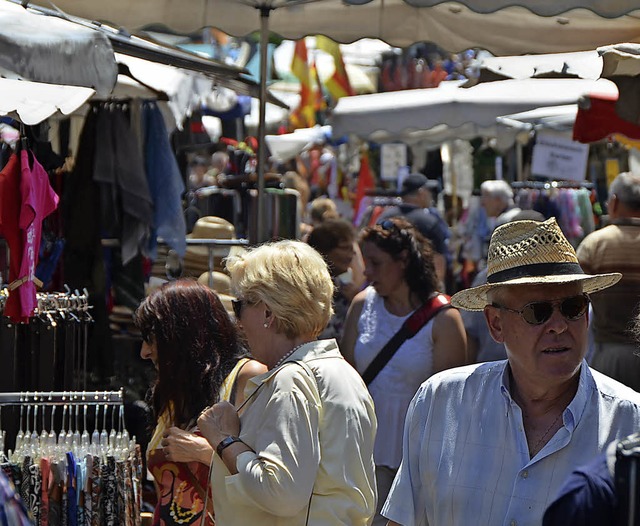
[38, 200]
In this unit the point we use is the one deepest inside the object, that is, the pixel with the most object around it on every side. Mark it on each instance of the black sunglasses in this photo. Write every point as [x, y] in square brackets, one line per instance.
[538, 312]
[237, 307]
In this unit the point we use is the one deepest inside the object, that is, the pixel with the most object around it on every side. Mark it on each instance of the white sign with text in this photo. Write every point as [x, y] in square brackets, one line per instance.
[558, 157]
[393, 156]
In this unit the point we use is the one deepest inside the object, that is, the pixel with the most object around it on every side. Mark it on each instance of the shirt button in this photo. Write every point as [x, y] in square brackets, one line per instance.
[513, 523]
[525, 474]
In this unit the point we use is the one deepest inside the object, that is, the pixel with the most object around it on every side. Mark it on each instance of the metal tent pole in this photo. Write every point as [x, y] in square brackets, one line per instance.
[261, 230]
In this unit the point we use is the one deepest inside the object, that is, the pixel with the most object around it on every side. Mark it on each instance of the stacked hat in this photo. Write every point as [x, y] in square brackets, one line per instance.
[196, 260]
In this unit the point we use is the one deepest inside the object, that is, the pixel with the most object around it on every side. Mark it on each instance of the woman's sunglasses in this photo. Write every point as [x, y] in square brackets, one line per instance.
[237, 307]
[538, 312]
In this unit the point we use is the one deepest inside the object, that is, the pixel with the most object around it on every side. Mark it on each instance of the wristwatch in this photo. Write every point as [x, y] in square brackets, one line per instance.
[225, 443]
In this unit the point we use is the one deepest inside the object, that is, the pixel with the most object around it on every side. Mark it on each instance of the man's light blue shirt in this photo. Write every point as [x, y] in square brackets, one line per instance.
[465, 454]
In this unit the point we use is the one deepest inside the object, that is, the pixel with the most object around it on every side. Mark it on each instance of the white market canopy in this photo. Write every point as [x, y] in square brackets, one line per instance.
[620, 59]
[33, 102]
[559, 118]
[286, 146]
[52, 50]
[447, 112]
[581, 64]
[505, 27]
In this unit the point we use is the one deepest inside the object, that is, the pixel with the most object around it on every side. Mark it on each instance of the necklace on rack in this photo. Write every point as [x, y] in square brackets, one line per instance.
[287, 355]
[541, 441]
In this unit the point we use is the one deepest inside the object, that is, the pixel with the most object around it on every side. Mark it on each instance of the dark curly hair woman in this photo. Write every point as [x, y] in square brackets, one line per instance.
[401, 273]
[200, 360]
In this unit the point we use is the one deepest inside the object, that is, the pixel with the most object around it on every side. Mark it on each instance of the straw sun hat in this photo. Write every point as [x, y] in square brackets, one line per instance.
[212, 227]
[530, 253]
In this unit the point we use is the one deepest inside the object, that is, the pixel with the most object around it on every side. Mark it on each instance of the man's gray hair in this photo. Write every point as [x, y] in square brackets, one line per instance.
[498, 188]
[626, 187]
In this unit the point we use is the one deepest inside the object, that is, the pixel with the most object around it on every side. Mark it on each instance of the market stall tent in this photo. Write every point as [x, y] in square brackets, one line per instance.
[453, 112]
[54, 51]
[505, 27]
[33, 102]
[531, 26]
[601, 117]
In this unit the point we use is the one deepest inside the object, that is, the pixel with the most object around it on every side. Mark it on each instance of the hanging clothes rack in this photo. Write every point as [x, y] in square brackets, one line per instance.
[63, 398]
[50, 352]
[74, 476]
[572, 203]
[547, 185]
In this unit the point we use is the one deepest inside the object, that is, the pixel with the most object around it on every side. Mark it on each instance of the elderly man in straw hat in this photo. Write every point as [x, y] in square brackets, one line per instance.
[492, 443]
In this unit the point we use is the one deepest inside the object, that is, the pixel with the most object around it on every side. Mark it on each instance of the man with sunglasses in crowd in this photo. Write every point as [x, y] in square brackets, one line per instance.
[492, 443]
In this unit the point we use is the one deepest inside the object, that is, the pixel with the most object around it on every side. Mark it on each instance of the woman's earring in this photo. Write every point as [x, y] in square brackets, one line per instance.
[265, 325]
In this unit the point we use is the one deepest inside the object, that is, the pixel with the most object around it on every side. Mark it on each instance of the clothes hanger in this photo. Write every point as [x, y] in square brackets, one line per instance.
[123, 69]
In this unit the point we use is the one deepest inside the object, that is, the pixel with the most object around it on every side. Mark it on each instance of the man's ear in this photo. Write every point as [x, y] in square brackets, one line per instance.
[613, 204]
[494, 321]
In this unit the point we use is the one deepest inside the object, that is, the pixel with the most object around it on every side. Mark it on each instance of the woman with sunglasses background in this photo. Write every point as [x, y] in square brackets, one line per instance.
[300, 451]
[400, 269]
[200, 360]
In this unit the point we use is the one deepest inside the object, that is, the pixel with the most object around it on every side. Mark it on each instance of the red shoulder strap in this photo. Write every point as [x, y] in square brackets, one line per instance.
[422, 316]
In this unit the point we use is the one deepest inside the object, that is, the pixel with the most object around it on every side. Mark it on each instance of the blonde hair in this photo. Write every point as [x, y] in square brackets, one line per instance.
[322, 208]
[292, 279]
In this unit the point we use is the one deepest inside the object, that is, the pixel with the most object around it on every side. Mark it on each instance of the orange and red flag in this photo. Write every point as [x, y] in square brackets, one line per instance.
[305, 115]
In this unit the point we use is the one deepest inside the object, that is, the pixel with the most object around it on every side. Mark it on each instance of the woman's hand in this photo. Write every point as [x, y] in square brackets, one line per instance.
[181, 446]
[218, 422]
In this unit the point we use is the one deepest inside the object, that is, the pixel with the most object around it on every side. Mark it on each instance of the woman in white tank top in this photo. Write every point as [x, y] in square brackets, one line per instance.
[400, 269]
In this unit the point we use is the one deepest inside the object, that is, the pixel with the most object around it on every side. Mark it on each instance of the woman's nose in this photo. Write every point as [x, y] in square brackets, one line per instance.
[144, 351]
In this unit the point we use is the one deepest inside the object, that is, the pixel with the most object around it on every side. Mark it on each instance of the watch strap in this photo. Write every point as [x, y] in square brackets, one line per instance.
[225, 443]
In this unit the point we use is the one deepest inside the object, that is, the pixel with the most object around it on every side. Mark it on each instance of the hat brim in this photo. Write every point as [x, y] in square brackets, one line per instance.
[475, 299]
[219, 251]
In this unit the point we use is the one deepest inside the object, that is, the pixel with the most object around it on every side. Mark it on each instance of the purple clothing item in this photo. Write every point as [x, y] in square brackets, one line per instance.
[12, 510]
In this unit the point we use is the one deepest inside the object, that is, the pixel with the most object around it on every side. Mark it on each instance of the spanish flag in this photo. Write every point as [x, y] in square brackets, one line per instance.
[338, 85]
[304, 116]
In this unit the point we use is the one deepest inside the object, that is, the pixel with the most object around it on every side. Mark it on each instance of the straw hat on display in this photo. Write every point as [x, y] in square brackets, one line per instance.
[196, 259]
[530, 253]
[221, 281]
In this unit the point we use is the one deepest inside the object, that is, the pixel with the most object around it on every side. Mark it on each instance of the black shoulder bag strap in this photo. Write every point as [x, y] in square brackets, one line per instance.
[409, 329]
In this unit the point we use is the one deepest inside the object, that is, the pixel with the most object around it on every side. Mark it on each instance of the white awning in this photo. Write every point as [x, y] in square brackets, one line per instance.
[505, 27]
[581, 64]
[446, 111]
[33, 102]
[52, 50]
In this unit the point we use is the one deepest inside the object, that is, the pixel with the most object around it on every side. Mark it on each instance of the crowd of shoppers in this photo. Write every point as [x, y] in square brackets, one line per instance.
[329, 400]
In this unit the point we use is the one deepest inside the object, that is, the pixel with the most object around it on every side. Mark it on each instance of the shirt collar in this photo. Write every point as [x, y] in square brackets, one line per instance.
[309, 351]
[578, 404]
